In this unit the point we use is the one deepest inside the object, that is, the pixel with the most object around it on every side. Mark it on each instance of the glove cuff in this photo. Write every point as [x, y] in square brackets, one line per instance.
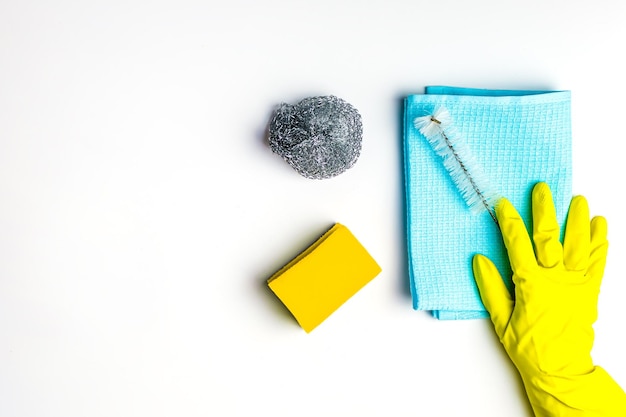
[593, 394]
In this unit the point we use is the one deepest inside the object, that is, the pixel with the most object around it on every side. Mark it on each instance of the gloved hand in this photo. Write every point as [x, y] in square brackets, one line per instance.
[546, 328]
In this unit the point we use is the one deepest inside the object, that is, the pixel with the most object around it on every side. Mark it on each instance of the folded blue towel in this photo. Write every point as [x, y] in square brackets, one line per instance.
[518, 138]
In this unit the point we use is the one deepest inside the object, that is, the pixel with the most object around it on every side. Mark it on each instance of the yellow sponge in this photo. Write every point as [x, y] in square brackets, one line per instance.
[323, 277]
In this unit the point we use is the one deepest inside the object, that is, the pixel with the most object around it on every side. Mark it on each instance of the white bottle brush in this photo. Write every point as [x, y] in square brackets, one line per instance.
[470, 180]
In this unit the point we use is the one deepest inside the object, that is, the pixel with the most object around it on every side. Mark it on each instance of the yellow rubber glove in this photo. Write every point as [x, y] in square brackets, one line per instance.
[546, 328]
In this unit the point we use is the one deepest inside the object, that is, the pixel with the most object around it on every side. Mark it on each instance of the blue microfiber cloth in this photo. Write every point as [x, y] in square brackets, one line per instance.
[519, 138]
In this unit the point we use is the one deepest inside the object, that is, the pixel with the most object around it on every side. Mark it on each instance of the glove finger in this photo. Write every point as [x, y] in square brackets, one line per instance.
[599, 248]
[493, 293]
[577, 236]
[546, 232]
[515, 236]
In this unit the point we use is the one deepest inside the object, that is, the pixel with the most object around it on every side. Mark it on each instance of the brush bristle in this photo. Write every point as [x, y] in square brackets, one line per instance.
[467, 175]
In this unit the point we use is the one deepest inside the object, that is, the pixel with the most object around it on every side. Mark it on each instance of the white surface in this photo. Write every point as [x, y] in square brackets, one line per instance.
[141, 210]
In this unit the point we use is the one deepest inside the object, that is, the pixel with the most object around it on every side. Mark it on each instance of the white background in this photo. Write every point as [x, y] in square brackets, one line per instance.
[141, 210]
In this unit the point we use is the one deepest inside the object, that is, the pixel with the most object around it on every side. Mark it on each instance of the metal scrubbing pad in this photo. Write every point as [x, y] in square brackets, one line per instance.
[320, 137]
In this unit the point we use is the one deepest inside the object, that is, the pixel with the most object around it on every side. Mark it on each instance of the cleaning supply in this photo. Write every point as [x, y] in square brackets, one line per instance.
[516, 138]
[323, 277]
[546, 328]
[320, 137]
[474, 186]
